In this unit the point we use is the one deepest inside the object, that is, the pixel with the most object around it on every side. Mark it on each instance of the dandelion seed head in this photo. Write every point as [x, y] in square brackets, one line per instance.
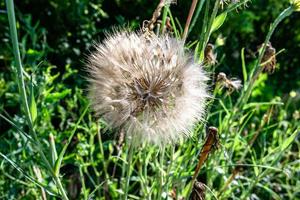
[150, 87]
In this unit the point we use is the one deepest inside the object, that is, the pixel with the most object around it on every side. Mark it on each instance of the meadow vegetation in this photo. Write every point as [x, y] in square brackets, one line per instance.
[53, 147]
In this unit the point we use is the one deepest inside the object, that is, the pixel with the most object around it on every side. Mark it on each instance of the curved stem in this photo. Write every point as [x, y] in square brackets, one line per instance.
[22, 90]
[257, 69]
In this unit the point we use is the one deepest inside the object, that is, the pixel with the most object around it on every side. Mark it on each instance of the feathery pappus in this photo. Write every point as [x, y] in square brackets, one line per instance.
[232, 84]
[149, 86]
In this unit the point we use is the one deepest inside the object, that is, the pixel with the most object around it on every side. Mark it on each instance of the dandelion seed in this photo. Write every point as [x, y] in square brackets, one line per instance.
[149, 86]
[232, 84]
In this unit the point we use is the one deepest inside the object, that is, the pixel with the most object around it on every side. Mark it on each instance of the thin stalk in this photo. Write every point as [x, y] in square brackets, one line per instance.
[257, 69]
[164, 18]
[195, 18]
[22, 90]
[236, 5]
[169, 169]
[102, 152]
[189, 19]
[203, 30]
[83, 189]
[212, 18]
[161, 174]
[61, 188]
[107, 178]
[16, 51]
[128, 170]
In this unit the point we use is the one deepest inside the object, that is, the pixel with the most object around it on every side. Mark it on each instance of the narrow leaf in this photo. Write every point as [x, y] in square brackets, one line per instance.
[218, 21]
[289, 140]
[32, 106]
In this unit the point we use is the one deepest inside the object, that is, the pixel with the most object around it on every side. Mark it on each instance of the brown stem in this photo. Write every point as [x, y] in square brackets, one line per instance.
[212, 141]
[189, 19]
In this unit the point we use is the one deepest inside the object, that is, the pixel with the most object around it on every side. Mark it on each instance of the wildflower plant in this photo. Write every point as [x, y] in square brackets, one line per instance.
[148, 87]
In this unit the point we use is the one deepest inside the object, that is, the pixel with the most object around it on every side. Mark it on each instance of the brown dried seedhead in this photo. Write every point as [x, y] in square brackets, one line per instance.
[268, 62]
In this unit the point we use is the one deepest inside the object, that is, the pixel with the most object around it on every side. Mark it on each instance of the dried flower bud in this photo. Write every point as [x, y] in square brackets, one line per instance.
[210, 58]
[198, 192]
[150, 86]
[268, 61]
[231, 84]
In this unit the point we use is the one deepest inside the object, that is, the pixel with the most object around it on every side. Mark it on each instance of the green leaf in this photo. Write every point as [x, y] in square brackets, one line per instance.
[245, 74]
[55, 96]
[289, 140]
[32, 106]
[218, 22]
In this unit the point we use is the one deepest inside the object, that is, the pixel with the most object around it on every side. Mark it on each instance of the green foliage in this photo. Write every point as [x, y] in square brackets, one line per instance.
[259, 136]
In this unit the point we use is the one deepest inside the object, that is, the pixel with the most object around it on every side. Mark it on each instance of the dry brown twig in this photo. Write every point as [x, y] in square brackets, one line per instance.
[212, 142]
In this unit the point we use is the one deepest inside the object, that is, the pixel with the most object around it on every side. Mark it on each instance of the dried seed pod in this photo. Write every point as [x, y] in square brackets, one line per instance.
[198, 192]
[210, 58]
[268, 61]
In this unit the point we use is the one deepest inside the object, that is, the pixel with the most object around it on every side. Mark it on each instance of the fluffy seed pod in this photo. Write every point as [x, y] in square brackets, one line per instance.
[149, 86]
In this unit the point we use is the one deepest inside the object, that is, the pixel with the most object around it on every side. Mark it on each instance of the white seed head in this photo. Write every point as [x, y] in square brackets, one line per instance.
[150, 87]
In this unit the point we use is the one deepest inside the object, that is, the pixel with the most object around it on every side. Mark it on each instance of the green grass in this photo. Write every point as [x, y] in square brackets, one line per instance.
[52, 147]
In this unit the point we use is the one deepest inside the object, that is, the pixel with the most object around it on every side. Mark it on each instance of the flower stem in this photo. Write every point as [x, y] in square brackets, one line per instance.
[188, 20]
[128, 170]
[160, 174]
[20, 77]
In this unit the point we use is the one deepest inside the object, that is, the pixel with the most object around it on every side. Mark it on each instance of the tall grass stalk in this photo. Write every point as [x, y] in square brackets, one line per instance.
[189, 19]
[210, 23]
[128, 170]
[161, 173]
[22, 90]
[196, 15]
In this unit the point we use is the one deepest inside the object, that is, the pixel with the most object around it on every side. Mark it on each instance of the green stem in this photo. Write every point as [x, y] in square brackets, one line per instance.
[160, 173]
[61, 188]
[212, 18]
[169, 168]
[16, 51]
[128, 170]
[164, 18]
[195, 18]
[22, 90]
[257, 69]
[203, 30]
